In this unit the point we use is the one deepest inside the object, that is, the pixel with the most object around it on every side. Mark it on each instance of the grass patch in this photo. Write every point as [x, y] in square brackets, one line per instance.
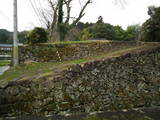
[118, 53]
[79, 42]
[4, 63]
[35, 69]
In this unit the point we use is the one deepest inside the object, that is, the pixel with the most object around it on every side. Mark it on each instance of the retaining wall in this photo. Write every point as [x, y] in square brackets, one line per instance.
[70, 51]
[123, 82]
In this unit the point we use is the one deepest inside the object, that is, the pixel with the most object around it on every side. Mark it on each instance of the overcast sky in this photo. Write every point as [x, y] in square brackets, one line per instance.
[133, 12]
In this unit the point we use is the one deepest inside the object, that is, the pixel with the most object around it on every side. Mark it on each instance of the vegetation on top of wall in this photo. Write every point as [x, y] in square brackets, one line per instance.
[37, 35]
[79, 42]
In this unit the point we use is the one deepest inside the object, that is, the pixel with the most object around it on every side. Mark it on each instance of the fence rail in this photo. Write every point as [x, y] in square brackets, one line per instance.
[5, 51]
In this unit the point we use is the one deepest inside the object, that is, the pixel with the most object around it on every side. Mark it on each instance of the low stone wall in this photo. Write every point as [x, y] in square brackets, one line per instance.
[70, 51]
[124, 82]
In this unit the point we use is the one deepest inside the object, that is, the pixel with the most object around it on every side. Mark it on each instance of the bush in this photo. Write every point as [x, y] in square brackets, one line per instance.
[132, 32]
[151, 28]
[99, 31]
[37, 35]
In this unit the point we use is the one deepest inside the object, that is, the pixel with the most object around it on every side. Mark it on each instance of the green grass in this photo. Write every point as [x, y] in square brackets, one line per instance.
[34, 70]
[78, 42]
[119, 52]
[4, 63]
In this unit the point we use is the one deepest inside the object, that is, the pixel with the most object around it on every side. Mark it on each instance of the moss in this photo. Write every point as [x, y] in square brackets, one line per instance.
[50, 107]
[71, 50]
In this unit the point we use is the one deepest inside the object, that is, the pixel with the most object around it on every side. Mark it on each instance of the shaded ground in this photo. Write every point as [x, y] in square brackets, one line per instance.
[136, 114]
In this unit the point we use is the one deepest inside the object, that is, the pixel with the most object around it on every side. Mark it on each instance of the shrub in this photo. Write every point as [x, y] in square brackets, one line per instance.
[151, 28]
[37, 35]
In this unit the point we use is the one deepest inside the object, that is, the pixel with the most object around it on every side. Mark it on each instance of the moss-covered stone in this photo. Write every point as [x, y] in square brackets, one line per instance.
[68, 51]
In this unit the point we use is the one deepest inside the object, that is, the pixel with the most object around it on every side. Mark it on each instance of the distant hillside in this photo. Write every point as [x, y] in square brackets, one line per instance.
[7, 36]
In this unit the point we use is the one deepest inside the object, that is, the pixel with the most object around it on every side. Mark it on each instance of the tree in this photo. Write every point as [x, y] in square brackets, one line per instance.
[86, 34]
[5, 36]
[22, 36]
[99, 31]
[151, 28]
[119, 33]
[81, 25]
[100, 19]
[37, 35]
[59, 19]
[132, 32]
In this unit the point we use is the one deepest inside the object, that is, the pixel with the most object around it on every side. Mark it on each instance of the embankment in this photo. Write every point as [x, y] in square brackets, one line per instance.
[127, 81]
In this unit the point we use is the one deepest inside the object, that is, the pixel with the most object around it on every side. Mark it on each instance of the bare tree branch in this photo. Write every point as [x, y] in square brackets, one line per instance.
[67, 3]
[81, 14]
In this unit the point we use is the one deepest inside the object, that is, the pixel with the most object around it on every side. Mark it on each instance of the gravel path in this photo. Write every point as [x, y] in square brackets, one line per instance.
[3, 69]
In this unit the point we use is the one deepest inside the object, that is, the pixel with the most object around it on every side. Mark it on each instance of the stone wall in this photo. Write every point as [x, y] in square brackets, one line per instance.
[70, 51]
[127, 81]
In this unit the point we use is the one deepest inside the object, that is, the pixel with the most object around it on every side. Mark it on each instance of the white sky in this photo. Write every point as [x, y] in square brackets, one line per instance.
[135, 12]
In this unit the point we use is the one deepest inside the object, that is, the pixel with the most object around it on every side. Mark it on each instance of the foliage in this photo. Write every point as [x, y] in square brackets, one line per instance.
[86, 34]
[81, 25]
[73, 34]
[132, 32]
[58, 16]
[100, 19]
[99, 31]
[5, 36]
[22, 36]
[151, 28]
[107, 31]
[37, 35]
[63, 30]
[119, 33]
